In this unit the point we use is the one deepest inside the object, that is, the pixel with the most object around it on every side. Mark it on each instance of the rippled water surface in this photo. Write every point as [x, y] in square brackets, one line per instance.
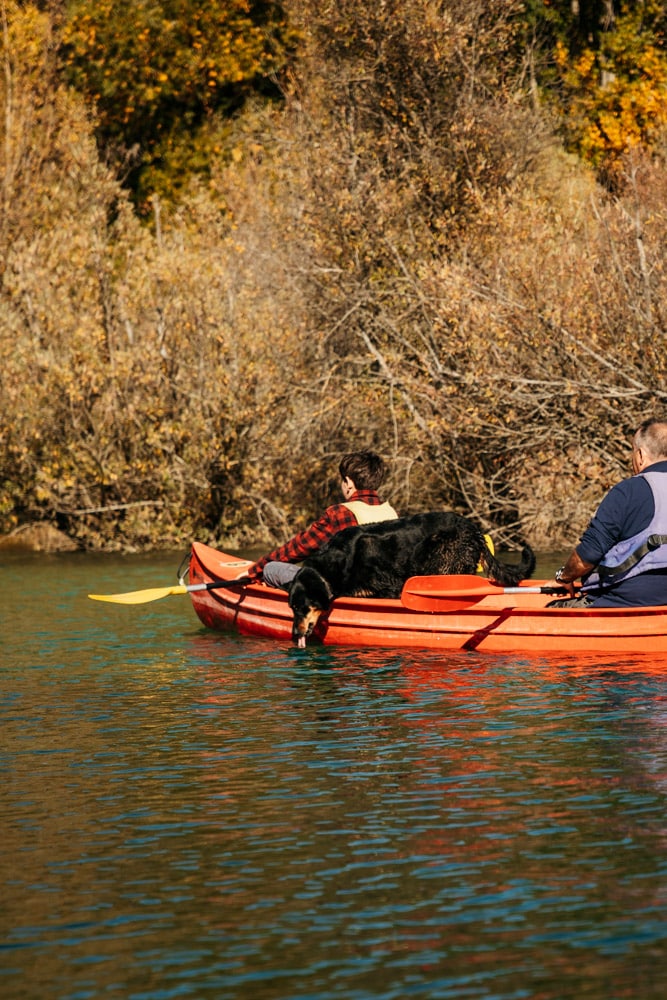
[194, 815]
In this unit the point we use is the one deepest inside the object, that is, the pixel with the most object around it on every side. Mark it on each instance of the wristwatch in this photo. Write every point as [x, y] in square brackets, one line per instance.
[559, 576]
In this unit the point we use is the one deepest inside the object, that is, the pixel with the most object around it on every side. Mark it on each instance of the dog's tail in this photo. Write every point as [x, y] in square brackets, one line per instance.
[508, 574]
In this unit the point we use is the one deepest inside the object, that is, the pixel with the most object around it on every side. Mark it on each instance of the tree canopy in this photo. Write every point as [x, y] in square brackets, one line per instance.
[157, 71]
[165, 76]
[433, 229]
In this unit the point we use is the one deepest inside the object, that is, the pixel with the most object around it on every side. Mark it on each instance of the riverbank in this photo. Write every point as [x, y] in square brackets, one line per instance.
[45, 538]
[38, 537]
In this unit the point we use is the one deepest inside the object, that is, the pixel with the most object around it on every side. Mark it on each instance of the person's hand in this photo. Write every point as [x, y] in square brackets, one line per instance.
[567, 585]
[569, 588]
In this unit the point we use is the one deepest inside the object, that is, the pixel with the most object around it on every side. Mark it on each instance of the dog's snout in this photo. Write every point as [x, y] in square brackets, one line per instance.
[304, 625]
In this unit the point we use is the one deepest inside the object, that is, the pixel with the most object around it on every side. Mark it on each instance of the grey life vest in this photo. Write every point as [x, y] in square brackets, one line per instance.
[647, 550]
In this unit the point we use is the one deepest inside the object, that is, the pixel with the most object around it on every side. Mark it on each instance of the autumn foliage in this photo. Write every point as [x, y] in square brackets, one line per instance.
[164, 77]
[238, 239]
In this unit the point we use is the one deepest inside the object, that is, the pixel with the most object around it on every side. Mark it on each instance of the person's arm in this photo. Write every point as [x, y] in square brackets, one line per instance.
[571, 570]
[626, 509]
[308, 541]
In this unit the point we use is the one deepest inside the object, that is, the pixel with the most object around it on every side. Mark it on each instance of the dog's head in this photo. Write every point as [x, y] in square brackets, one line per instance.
[309, 596]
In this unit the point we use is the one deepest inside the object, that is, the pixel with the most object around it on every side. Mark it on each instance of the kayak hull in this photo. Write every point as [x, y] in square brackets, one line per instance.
[496, 623]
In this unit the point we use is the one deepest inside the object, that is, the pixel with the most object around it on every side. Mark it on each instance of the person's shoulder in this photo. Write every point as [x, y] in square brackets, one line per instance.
[623, 496]
[333, 509]
[334, 514]
[630, 487]
[630, 499]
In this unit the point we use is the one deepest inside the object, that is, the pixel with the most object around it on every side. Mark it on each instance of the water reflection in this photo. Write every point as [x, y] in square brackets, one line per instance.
[192, 814]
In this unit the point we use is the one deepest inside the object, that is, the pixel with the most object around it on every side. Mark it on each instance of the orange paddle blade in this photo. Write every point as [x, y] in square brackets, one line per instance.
[467, 585]
[456, 592]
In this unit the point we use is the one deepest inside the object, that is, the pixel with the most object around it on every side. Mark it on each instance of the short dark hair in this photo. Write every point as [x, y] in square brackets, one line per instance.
[652, 435]
[365, 469]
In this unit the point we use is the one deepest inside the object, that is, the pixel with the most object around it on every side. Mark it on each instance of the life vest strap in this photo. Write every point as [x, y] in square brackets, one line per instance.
[651, 543]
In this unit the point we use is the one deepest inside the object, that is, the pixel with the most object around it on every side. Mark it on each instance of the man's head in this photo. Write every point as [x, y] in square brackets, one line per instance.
[649, 444]
[364, 468]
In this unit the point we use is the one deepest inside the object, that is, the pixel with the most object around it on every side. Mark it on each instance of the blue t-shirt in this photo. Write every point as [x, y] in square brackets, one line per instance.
[627, 509]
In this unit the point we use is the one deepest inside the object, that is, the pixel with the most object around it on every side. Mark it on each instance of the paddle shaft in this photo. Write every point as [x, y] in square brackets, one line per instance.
[211, 585]
[479, 592]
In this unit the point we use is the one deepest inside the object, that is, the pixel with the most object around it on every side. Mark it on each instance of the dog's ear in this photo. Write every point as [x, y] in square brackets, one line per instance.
[294, 587]
[314, 588]
[295, 592]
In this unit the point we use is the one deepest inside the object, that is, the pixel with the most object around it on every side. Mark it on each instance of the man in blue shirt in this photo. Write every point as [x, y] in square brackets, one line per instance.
[622, 555]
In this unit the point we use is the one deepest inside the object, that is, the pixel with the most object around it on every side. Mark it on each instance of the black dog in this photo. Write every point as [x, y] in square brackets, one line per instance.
[375, 561]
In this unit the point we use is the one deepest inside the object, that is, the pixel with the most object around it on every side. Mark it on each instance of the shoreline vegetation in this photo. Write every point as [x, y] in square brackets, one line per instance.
[238, 240]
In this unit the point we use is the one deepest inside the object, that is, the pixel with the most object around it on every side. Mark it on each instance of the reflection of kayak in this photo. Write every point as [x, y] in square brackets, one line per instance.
[496, 622]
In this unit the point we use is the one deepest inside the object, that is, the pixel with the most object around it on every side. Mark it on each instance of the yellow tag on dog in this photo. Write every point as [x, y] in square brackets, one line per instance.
[492, 550]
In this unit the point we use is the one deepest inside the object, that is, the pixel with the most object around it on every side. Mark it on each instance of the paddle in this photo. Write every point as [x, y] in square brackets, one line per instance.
[444, 593]
[157, 593]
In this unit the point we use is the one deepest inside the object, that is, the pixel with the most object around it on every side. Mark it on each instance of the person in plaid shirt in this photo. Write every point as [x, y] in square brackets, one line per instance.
[361, 474]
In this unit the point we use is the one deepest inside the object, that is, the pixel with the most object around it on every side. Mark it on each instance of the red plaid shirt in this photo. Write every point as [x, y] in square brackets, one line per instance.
[311, 539]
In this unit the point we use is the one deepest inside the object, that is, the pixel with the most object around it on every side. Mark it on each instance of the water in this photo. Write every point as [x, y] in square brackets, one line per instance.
[194, 815]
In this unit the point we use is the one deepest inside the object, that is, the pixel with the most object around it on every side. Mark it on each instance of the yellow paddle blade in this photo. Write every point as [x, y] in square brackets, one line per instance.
[140, 596]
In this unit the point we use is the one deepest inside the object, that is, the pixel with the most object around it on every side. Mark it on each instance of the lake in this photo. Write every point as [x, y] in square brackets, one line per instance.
[188, 814]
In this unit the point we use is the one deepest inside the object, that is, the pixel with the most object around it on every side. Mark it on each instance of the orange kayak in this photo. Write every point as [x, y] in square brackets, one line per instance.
[495, 622]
